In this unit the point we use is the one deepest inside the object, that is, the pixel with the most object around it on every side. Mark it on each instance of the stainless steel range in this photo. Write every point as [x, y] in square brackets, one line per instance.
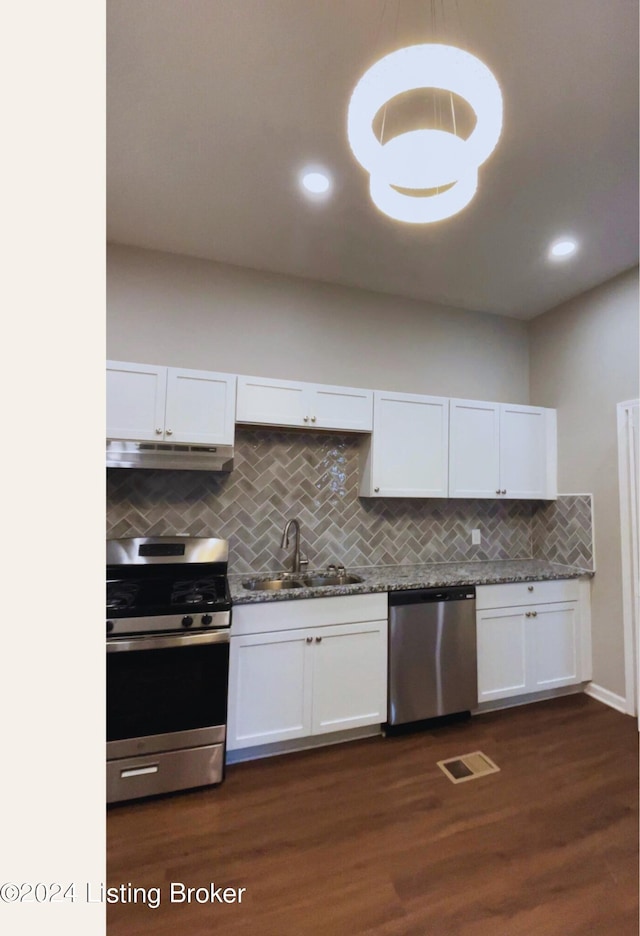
[168, 619]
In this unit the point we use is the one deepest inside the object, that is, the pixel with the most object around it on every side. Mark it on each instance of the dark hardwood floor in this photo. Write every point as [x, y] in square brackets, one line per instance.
[371, 838]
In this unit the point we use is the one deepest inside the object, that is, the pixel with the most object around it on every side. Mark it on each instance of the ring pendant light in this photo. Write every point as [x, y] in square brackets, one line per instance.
[425, 159]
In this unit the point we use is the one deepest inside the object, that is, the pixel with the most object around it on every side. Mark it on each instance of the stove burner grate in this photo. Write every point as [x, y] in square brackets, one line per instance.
[121, 595]
[199, 592]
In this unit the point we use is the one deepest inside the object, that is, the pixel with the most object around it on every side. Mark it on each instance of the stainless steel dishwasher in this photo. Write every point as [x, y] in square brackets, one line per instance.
[432, 653]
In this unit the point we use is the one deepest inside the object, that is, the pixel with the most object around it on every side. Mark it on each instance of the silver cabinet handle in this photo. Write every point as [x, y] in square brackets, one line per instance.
[376, 490]
[318, 639]
[305, 419]
[313, 419]
[158, 431]
[169, 431]
[503, 491]
[498, 491]
[309, 639]
[534, 614]
[529, 587]
[527, 614]
[139, 771]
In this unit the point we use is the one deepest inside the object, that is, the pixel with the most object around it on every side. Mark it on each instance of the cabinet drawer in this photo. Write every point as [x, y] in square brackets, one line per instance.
[525, 593]
[307, 612]
[133, 777]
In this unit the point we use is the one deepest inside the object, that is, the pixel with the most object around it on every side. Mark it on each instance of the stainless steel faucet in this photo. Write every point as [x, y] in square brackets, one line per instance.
[298, 560]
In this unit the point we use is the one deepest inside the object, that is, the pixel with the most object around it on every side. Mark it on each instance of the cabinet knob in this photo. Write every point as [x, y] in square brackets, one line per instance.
[169, 431]
[309, 639]
[318, 639]
[498, 491]
[527, 614]
[529, 587]
[305, 419]
[376, 490]
[534, 614]
[158, 431]
[313, 419]
[503, 491]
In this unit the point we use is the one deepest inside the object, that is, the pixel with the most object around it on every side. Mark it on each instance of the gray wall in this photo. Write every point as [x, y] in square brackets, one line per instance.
[165, 309]
[584, 360]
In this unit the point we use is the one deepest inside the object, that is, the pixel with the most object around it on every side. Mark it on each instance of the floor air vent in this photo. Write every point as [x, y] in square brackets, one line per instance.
[467, 767]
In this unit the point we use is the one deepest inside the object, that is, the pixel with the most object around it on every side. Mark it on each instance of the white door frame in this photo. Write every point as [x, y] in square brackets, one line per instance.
[628, 467]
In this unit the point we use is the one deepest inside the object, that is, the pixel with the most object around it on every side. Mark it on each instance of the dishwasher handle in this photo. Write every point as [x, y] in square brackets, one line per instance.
[431, 595]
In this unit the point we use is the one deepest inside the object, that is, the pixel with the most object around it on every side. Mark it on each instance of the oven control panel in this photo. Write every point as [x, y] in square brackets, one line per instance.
[166, 623]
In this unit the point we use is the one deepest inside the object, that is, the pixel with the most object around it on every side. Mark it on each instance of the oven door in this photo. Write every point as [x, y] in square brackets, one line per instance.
[166, 692]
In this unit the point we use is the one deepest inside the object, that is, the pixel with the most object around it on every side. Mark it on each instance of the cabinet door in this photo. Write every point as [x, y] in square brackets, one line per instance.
[135, 401]
[554, 635]
[502, 653]
[349, 676]
[200, 407]
[474, 449]
[527, 452]
[341, 408]
[269, 688]
[409, 446]
[272, 402]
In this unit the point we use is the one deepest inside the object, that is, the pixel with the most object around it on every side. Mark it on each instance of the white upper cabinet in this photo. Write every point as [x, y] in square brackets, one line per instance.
[407, 454]
[136, 395]
[264, 401]
[474, 449]
[341, 408]
[200, 407]
[271, 402]
[169, 404]
[502, 450]
[528, 452]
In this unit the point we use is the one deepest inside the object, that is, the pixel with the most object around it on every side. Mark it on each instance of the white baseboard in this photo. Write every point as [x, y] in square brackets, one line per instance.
[609, 698]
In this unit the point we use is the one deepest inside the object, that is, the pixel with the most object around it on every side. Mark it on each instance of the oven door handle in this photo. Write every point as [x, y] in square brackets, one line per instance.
[121, 644]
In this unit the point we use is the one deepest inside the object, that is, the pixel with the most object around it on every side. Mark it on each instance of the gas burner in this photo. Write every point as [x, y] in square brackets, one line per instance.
[121, 595]
[200, 592]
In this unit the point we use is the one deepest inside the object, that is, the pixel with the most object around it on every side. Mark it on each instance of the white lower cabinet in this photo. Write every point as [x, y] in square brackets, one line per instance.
[349, 677]
[502, 654]
[300, 681]
[555, 642]
[269, 688]
[529, 641]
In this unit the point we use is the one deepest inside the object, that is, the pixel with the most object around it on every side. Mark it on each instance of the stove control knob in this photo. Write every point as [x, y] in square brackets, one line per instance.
[187, 621]
[110, 626]
[206, 619]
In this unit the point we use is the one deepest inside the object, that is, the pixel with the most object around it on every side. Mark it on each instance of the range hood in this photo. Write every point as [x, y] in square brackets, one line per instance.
[123, 454]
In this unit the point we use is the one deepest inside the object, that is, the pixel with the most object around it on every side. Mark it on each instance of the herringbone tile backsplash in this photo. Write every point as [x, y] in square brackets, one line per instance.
[314, 476]
[562, 531]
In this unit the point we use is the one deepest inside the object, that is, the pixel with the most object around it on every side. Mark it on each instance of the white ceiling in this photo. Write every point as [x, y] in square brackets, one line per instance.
[215, 105]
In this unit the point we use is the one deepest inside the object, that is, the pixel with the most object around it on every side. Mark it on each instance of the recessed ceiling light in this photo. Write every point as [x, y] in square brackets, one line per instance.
[562, 248]
[315, 182]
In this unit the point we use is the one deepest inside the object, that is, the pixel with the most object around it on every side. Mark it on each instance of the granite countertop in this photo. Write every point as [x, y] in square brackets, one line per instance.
[398, 577]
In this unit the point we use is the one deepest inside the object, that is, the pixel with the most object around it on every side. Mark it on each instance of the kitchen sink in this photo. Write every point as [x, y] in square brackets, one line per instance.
[318, 580]
[274, 584]
[313, 581]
